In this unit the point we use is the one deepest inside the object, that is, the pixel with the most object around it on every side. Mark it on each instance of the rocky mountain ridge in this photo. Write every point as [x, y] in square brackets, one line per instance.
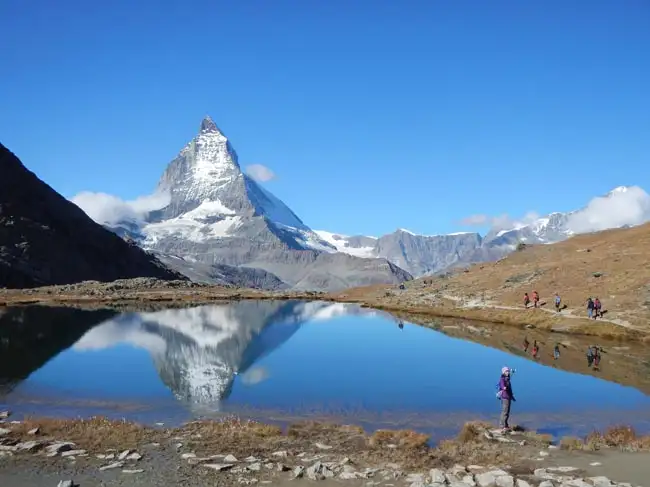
[45, 239]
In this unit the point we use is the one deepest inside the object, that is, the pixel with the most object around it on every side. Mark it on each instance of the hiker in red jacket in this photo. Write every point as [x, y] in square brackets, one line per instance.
[526, 300]
[597, 308]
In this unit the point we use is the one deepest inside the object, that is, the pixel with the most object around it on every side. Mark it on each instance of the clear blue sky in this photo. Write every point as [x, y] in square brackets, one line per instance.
[374, 114]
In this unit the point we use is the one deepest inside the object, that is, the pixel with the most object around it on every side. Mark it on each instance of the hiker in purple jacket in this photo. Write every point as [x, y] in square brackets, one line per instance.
[506, 396]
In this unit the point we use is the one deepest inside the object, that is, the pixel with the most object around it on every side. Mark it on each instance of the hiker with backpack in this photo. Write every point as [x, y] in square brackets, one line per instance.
[506, 396]
[597, 308]
[590, 308]
[535, 298]
[558, 301]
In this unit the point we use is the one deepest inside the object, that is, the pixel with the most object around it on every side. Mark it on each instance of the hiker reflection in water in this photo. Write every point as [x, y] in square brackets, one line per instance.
[526, 344]
[401, 325]
[535, 349]
[590, 356]
[596, 358]
[506, 395]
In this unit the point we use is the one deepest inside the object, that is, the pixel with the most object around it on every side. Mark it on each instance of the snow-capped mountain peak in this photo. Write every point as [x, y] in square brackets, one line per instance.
[208, 125]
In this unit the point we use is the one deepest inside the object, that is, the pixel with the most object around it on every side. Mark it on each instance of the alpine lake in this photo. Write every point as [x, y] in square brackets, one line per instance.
[287, 361]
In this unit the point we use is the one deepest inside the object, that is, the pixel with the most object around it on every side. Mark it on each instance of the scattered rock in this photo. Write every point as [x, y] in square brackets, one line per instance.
[135, 456]
[314, 472]
[124, 454]
[196, 460]
[139, 470]
[544, 454]
[505, 481]
[255, 467]
[105, 456]
[230, 459]
[59, 447]
[65, 483]
[73, 453]
[437, 476]
[281, 454]
[546, 483]
[281, 467]
[563, 469]
[30, 446]
[4, 431]
[35, 431]
[219, 467]
[185, 456]
[298, 472]
[5, 414]
[522, 483]
[600, 481]
[321, 446]
[111, 466]
[595, 464]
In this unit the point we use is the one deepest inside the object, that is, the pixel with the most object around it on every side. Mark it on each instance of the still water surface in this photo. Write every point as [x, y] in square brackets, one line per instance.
[284, 361]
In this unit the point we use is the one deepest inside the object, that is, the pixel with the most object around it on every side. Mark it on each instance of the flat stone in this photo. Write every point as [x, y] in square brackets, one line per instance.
[111, 466]
[322, 446]
[139, 470]
[437, 476]
[486, 479]
[544, 454]
[124, 454]
[73, 453]
[9, 448]
[185, 456]
[281, 454]
[314, 471]
[522, 483]
[298, 472]
[4, 431]
[35, 431]
[576, 483]
[281, 467]
[418, 483]
[59, 447]
[255, 467]
[601, 481]
[135, 456]
[211, 458]
[65, 483]
[562, 469]
[595, 464]
[546, 483]
[230, 459]
[29, 446]
[219, 467]
[505, 481]
[251, 459]
[348, 475]
[106, 456]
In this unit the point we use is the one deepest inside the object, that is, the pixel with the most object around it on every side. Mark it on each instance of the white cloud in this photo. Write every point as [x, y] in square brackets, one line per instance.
[107, 209]
[255, 376]
[500, 222]
[622, 206]
[260, 172]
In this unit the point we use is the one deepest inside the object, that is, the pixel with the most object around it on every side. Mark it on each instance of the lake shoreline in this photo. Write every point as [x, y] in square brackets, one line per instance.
[247, 452]
[143, 293]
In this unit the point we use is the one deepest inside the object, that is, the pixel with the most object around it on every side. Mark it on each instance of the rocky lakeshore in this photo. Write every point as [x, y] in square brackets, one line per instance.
[97, 451]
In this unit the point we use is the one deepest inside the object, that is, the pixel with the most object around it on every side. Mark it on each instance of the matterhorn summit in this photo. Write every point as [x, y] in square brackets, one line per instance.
[221, 226]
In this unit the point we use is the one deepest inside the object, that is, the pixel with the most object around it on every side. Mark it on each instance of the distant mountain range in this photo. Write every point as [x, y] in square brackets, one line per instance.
[218, 225]
[429, 254]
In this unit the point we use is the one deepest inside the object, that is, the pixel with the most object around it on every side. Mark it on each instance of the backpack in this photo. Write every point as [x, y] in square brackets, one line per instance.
[499, 391]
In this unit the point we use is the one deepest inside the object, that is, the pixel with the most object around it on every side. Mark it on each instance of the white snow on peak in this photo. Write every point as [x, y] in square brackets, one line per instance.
[406, 231]
[209, 208]
[460, 233]
[190, 227]
[341, 244]
[276, 211]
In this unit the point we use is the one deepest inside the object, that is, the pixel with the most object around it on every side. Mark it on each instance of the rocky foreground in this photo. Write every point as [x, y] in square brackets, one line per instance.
[98, 451]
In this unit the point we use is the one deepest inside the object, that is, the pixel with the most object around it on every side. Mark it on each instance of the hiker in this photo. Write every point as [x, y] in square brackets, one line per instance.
[558, 301]
[597, 307]
[556, 351]
[590, 356]
[506, 395]
[590, 308]
[535, 349]
[526, 300]
[526, 344]
[535, 298]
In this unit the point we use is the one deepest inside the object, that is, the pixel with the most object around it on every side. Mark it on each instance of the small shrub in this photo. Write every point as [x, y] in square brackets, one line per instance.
[521, 246]
[620, 436]
[402, 438]
[571, 443]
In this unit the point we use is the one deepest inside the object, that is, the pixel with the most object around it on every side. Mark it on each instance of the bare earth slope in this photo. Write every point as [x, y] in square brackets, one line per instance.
[613, 265]
[45, 239]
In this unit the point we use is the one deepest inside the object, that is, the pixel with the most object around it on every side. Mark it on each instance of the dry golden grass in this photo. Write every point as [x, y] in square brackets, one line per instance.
[621, 437]
[92, 434]
[619, 257]
[407, 439]
[571, 443]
